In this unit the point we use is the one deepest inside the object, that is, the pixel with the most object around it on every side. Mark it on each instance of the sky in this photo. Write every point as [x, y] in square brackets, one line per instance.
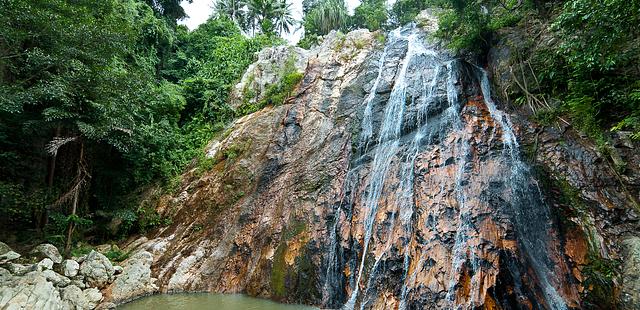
[199, 10]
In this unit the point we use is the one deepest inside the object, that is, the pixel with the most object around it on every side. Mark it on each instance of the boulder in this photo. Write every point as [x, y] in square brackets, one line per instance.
[55, 278]
[5, 276]
[93, 296]
[44, 264]
[46, 250]
[97, 270]
[135, 279]
[267, 71]
[70, 268]
[74, 296]
[81, 299]
[31, 291]
[7, 254]
[18, 269]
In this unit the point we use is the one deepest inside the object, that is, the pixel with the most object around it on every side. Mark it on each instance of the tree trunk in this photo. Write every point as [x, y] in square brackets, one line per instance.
[74, 203]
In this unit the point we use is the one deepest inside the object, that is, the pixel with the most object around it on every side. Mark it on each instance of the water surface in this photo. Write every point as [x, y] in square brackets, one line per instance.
[208, 301]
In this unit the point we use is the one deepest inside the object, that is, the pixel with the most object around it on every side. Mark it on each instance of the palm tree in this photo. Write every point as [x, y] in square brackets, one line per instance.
[284, 19]
[269, 16]
[325, 16]
[231, 8]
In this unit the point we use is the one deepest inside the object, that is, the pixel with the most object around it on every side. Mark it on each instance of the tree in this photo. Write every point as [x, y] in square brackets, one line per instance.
[232, 9]
[370, 14]
[323, 17]
[170, 9]
[77, 76]
[283, 18]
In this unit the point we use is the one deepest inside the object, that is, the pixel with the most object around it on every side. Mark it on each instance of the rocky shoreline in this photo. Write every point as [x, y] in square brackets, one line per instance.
[42, 279]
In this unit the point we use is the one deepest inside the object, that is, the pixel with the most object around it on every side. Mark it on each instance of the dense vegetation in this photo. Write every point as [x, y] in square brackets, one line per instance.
[102, 99]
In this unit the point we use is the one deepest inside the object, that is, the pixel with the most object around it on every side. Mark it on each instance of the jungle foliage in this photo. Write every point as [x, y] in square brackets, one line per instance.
[99, 99]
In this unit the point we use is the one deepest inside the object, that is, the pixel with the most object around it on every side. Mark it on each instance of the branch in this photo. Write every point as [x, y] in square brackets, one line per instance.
[54, 145]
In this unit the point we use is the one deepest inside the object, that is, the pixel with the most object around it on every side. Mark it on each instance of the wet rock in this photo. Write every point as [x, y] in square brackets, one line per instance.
[458, 217]
[97, 270]
[46, 250]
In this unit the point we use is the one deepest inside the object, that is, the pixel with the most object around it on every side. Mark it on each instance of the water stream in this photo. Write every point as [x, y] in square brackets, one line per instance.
[427, 80]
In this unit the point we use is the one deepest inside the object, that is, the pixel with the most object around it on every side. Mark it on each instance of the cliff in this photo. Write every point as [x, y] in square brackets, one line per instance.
[392, 178]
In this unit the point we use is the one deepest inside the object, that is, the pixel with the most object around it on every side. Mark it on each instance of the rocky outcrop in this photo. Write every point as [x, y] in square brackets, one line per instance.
[269, 69]
[7, 254]
[270, 187]
[391, 178]
[68, 284]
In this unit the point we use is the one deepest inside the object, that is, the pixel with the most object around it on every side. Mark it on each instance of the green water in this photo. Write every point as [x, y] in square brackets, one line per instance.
[208, 301]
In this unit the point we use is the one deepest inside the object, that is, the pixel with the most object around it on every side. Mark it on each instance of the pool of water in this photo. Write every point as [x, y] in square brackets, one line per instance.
[208, 301]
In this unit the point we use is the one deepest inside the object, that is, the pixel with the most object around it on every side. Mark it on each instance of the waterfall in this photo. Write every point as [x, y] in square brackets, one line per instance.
[424, 105]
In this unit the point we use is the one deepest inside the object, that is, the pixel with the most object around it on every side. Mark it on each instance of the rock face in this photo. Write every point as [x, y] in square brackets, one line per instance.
[631, 274]
[390, 179]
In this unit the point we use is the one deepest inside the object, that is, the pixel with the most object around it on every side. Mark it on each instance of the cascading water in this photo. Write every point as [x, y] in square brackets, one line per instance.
[422, 109]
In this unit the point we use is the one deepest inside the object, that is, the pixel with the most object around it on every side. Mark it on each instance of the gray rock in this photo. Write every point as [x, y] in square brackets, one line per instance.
[19, 269]
[79, 284]
[630, 294]
[55, 278]
[97, 270]
[118, 269]
[4, 248]
[135, 279]
[5, 276]
[70, 268]
[44, 264]
[46, 250]
[7, 254]
[75, 297]
[267, 71]
[93, 296]
[31, 291]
